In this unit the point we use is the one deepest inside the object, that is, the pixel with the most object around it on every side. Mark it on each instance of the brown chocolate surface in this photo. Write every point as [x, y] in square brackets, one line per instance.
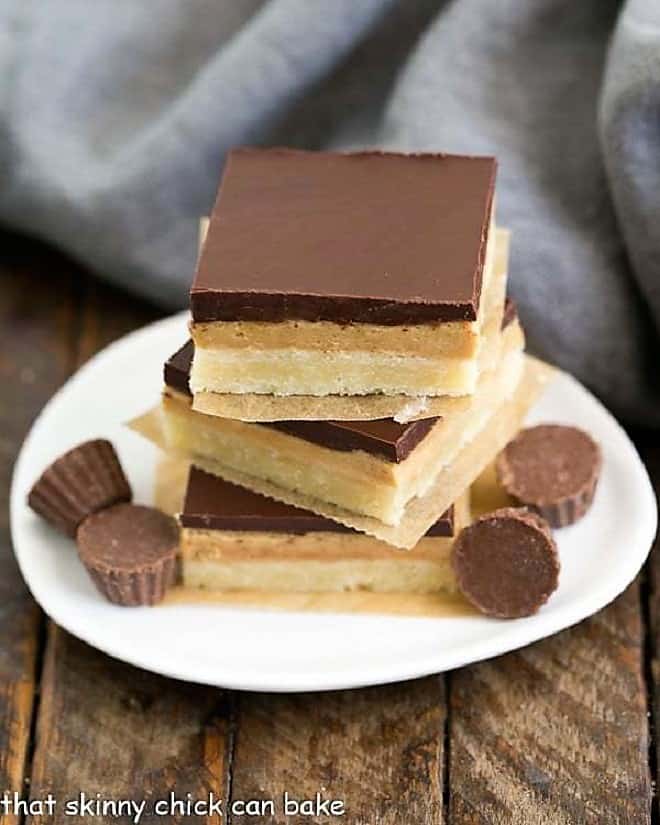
[214, 504]
[553, 469]
[506, 563]
[127, 537]
[370, 237]
[176, 371]
[130, 553]
[384, 437]
[84, 480]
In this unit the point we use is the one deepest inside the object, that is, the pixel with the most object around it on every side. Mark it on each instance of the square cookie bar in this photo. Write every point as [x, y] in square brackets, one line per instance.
[344, 274]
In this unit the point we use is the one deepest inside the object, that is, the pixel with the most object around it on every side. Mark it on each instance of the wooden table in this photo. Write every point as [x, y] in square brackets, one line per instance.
[560, 732]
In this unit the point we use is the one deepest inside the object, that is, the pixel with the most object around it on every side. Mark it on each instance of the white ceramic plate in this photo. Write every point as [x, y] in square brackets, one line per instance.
[269, 650]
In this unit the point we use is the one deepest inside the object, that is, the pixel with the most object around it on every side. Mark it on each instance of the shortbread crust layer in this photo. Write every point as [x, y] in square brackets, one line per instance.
[291, 568]
[355, 480]
[299, 372]
[325, 359]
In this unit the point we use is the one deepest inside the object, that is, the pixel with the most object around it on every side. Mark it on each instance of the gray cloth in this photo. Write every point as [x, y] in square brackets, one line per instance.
[116, 116]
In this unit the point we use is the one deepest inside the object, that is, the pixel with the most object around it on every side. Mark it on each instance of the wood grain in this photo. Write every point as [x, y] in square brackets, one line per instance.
[36, 354]
[107, 314]
[108, 728]
[380, 750]
[557, 732]
[649, 445]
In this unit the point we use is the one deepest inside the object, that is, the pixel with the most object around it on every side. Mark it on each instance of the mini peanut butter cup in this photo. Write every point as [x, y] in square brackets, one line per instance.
[84, 480]
[553, 469]
[130, 552]
[506, 563]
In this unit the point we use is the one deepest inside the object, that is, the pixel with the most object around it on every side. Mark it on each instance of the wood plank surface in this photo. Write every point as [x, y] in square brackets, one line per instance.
[649, 445]
[556, 732]
[37, 335]
[379, 750]
[107, 314]
[110, 729]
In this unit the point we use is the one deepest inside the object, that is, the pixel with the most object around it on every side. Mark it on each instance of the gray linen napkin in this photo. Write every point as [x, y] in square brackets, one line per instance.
[115, 117]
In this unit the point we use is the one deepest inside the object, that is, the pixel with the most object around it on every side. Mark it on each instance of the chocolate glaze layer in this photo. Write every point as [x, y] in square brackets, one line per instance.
[384, 437]
[176, 371]
[369, 237]
[214, 504]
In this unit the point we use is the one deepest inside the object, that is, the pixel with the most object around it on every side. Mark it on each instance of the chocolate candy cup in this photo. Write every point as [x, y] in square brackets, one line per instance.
[506, 563]
[83, 481]
[130, 552]
[553, 469]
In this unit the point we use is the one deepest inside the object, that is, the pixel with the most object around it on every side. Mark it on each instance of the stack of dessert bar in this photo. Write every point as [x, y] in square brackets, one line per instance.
[354, 366]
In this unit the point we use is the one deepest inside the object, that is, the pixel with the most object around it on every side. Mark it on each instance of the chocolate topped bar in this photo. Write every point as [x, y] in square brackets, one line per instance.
[384, 437]
[214, 504]
[366, 237]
